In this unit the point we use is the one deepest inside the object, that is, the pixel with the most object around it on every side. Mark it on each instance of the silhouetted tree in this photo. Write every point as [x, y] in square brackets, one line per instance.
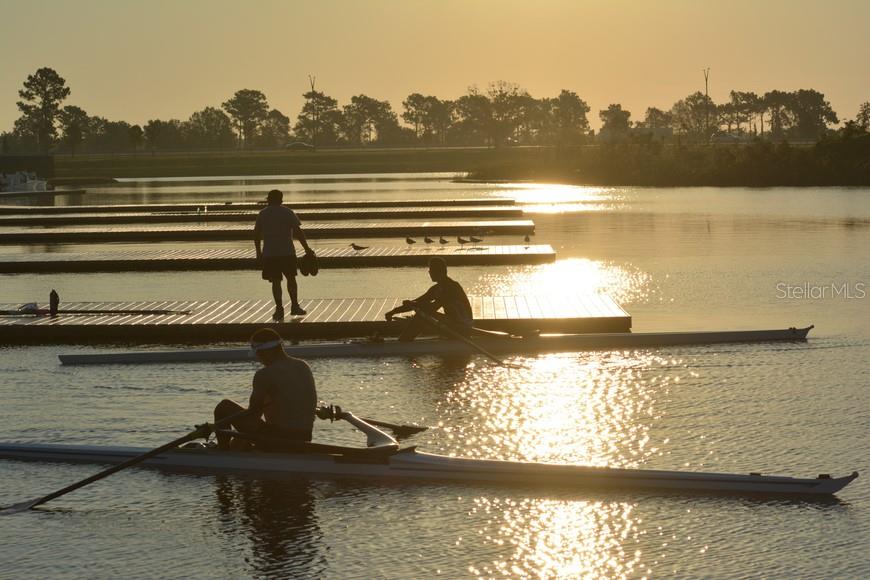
[41, 96]
[275, 130]
[690, 116]
[474, 117]
[74, 123]
[136, 137]
[319, 120]
[812, 114]
[863, 117]
[248, 108]
[209, 128]
[569, 115]
[509, 102]
[615, 121]
[656, 119]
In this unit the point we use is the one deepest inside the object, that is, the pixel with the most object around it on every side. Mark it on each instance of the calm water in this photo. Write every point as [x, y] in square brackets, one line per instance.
[675, 258]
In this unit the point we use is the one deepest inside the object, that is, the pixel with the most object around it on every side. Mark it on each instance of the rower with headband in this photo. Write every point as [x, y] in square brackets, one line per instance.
[283, 399]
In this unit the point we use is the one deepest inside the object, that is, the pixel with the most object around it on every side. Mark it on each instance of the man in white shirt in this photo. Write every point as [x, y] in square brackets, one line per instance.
[275, 229]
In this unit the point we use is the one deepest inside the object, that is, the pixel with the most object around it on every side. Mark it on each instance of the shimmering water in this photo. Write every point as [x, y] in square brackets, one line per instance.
[675, 258]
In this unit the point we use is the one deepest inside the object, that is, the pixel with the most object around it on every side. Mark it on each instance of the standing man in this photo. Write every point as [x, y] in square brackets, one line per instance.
[275, 228]
[448, 294]
[283, 399]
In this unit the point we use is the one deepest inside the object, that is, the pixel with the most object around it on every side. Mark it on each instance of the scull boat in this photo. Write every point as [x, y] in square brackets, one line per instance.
[440, 346]
[410, 464]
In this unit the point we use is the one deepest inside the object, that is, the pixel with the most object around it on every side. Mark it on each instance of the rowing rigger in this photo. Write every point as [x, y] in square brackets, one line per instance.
[437, 346]
[383, 460]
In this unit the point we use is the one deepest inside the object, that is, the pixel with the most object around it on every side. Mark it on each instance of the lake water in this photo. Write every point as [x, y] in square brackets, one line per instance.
[676, 259]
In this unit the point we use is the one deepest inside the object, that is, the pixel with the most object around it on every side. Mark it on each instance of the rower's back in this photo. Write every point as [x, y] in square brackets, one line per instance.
[290, 395]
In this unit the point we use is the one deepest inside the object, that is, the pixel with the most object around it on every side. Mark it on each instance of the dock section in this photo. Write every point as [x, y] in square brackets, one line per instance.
[188, 260]
[247, 205]
[249, 216]
[236, 320]
[224, 232]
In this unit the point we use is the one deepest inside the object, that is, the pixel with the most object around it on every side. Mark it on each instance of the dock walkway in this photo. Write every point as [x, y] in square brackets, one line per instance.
[187, 260]
[222, 232]
[249, 216]
[236, 320]
[248, 205]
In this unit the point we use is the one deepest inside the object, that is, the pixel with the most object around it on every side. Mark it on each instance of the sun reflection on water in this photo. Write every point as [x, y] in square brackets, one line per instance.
[560, 198]
[561, 539]
[570, 276]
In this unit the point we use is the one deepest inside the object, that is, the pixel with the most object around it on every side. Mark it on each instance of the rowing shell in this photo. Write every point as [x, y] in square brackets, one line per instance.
[410, 464]
[438, 346]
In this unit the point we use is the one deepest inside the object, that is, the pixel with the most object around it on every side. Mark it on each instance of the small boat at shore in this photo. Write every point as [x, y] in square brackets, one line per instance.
[389, 463]
[535, 344]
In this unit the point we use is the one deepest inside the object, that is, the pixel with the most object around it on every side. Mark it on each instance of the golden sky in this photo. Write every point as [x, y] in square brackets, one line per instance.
[136, 60]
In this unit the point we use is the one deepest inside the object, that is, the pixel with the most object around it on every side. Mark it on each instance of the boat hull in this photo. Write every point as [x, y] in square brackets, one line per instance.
[445, 347]
[409, 464]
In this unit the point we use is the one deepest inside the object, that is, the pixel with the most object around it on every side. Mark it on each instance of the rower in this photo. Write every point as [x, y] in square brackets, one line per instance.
[448, 294]
[283, 398]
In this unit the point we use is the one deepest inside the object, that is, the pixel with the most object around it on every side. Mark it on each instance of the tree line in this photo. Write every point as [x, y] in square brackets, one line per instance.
[502, 114]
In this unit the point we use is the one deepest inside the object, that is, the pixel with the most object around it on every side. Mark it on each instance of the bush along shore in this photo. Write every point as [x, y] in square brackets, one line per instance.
[837, 161]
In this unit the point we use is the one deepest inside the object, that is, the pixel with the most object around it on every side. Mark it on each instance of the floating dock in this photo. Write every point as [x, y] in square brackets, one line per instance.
[223, 232]
[187, 260]
[246, 205]
[236, 320]
[326, 214]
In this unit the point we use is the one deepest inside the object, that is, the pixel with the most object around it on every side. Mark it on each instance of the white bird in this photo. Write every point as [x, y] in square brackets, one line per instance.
[357, 247]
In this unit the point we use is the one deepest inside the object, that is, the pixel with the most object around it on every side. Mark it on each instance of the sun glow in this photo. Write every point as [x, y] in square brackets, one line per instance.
[559, 198]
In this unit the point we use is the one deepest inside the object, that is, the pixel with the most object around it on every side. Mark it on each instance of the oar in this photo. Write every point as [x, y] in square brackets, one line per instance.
[458, 335]
[333, 413]
[201, 431]
[401, 431]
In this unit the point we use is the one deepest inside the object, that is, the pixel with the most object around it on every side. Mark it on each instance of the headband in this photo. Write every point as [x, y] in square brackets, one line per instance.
[260, 346]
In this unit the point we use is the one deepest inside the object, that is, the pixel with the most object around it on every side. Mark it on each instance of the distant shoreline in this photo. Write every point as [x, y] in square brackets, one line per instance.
[840, 162]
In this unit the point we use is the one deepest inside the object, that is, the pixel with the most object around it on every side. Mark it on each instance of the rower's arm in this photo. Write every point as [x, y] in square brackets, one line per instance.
[300, 235]
[258, 241]
[259, 396]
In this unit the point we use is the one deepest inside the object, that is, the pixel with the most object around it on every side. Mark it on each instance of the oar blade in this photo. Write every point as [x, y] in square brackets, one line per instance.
[19, 507]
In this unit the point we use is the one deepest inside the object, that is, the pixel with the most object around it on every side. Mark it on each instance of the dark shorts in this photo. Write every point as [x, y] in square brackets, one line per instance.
[276, 267]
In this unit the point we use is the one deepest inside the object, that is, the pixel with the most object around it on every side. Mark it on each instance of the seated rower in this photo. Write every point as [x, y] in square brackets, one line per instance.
[446, 294]
[283, 399]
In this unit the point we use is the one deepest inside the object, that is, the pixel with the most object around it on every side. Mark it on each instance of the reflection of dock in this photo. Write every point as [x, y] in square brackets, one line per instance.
[41, 194]
[187, 260]
[249, 216]
[222, 232]
[237, 206]
[236, 320]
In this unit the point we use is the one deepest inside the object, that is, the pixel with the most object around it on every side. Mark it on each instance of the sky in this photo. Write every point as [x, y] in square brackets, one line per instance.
[137, 60]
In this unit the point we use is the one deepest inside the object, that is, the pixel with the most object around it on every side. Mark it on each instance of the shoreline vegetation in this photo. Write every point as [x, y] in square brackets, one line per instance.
[841, 160]
[502, 133]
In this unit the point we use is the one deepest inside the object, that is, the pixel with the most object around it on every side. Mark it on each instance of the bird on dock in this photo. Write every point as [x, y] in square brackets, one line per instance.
[527, 239]
[442, 241]
[428, 240]
[462, 241]
[357, 247]
[475, 240]
[410, 241]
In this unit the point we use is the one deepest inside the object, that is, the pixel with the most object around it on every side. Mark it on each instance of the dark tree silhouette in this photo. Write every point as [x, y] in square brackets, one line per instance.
[41, 97]
[248, 108]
